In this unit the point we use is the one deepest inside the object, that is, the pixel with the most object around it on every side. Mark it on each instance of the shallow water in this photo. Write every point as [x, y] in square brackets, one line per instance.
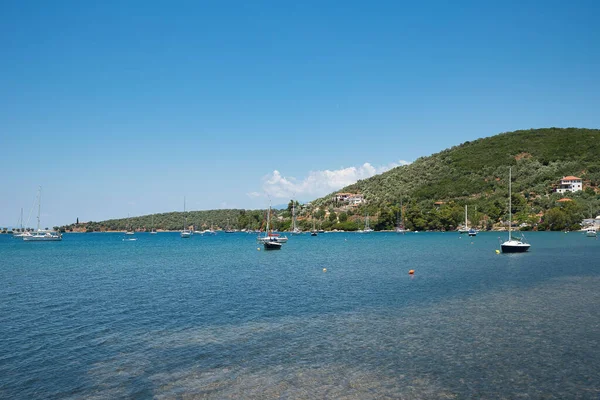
[94, 316]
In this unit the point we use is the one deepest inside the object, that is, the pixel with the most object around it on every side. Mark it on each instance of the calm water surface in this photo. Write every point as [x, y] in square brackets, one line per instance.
[211, 317]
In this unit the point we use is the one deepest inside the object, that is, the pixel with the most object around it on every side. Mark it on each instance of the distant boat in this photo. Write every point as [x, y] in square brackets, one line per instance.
[295, 230]
[400, 223]
[270, 241]
[129, 230]
[228, 229]
[367, 226]
[185, 233]
[42, 235]
[22, 231]
[466, 229]
[513, 245]
[153, 231]
[313, 232]
[591, 232]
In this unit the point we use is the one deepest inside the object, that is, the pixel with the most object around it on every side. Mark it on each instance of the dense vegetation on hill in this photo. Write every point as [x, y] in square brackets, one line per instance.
[434, 190]
[476, 173]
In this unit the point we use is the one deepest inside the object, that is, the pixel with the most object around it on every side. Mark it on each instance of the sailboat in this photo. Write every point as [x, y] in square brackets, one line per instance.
[295, 229]
[185, 233]
[465, 228]
[400, 224]
[228, 229]
[42, 235]
[153, 231]
[129, 230]
[314, 230]
[270, 241]
[367, 226]
[513, 245]
[21, 232]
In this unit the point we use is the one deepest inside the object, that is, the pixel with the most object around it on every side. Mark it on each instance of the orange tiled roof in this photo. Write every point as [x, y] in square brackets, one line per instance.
[570, 178]
[564, 199]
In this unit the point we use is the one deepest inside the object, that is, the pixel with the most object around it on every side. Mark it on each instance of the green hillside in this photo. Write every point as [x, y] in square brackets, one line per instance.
[434, 190]
[476, 173]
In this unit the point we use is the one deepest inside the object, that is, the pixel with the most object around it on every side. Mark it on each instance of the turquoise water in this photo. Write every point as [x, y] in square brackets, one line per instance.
[212, 317]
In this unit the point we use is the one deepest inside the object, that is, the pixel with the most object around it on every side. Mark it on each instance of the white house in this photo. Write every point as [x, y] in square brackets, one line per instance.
[356, 200]
[570, 184]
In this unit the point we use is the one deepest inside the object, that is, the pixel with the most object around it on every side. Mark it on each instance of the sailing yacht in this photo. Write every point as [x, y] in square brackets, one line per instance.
[314, 230]
[185, 233]
[42, 235]
[228, 229]
[22, 231]
[367, 226]
[466, 229]
[270, 241]
[295, 229]
[129, 230]
[153, 231]
[400, 223]
[513, 245]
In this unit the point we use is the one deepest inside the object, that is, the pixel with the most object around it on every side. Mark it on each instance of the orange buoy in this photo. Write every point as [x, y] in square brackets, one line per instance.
[411, 272]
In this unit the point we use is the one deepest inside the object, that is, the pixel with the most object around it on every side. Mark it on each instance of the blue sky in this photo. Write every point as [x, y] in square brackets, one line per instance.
[120, 108]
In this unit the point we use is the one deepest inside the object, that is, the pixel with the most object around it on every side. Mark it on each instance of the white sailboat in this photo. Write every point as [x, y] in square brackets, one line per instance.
[314, 230]
[228, 229]
[465, 228]
[185, 233]
[129, 230]
[22, 231]
[400, 224]
[367, 226]
[270, 241]
[153, 231]
[295, 230]
[512, 245]
[42, 235]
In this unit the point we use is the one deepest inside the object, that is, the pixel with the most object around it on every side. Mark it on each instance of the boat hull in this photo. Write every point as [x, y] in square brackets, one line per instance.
[42, 238]
[278, 239]
[515, 248]
[272, 246]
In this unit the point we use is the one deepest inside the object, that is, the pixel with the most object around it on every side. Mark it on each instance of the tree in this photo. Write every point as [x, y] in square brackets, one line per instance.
[343, 217]
[333, 216]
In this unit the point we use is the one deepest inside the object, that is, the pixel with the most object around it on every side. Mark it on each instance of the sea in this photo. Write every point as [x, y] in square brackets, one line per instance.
[336, 316]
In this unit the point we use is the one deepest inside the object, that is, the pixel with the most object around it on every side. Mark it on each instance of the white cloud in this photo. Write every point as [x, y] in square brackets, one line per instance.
[318, 183]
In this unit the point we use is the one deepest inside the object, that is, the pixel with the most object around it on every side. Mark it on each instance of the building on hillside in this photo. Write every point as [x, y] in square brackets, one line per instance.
[591, 222]
[342, 196]
[569, 184]
[564, 200]
[356, 199]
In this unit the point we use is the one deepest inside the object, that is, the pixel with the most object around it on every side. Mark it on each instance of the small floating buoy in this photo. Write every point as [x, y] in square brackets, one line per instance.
[497, 251]
[258, 248]
[411, 272]
[324, 269]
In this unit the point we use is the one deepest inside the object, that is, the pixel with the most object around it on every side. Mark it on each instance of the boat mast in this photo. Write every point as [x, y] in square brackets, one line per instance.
[39, 207]
[509, 202]
[268, 216]
[466, 226]
[184, 215]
